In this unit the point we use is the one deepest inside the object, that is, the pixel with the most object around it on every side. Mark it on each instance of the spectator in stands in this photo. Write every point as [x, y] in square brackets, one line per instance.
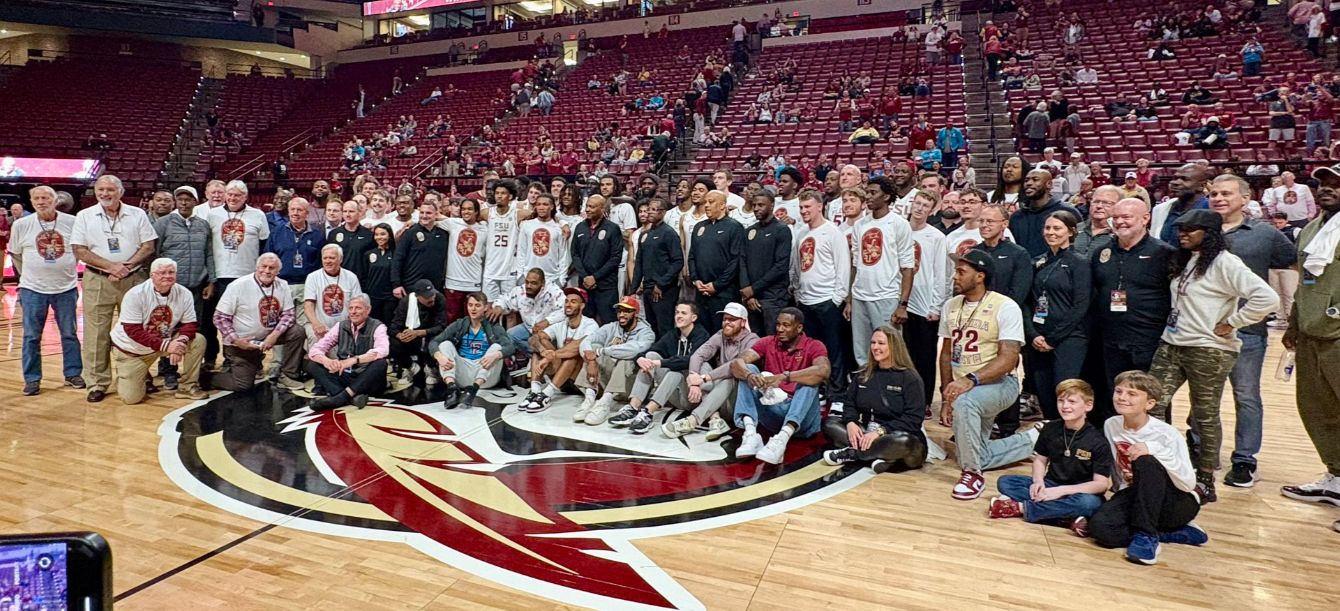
[1130, 187]
[866, 134]
[1316, 26]
[1320, 112]
[950, 141]
[1282, 122]
[1035, 128]
[1252, 54]
[1086, 76]
[1161, 52]
[1200, 96]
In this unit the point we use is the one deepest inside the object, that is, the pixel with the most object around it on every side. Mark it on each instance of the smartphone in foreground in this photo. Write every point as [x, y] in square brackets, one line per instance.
[55, 572]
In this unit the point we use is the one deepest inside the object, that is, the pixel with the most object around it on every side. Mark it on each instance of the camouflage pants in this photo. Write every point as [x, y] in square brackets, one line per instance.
[1205, 370]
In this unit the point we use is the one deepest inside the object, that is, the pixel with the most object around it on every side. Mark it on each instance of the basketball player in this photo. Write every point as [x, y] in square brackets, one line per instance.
[544, 242]
[465, 257]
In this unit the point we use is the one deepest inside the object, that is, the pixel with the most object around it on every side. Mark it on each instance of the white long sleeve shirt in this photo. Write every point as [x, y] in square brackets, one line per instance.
[930, 285]
[880, 250]
[820, 264]
[1200, 303]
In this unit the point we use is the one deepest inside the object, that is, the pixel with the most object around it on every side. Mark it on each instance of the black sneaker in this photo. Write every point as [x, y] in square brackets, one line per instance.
[625, 416]
[840, 456]
[1242, 475]
[641, 423]
[1205, 488]
[170, 382]
[540, 403]
[1192, 448]
[76, 382]
[359, 401]
[31, 388]
[452, 397]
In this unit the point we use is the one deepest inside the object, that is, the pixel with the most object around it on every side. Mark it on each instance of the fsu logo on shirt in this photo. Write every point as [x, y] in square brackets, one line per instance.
[539, 242]
[465, 246]
[332, 300]
[160, 321]
[233, 232]
[1290, 198]
[872, 247]
[51, 245]
[270, 310]
[964, 247]
[806, 254]
[916, 252]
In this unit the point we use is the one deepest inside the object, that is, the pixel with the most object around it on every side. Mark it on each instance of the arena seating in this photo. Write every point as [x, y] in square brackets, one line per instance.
[879, 57]
[1125, 72]
[49, 109]
[252, 104]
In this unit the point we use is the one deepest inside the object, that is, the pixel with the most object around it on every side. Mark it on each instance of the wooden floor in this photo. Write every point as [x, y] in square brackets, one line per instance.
[894, 542]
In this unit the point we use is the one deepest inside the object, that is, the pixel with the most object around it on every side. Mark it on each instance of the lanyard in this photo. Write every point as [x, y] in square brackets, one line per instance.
[262, 288]
[959, 325]
[114, 227]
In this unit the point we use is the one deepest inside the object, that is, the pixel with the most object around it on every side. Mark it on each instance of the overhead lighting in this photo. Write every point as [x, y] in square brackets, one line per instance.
[536, 6]
[282, 59]
[419, 20]
[600, 2]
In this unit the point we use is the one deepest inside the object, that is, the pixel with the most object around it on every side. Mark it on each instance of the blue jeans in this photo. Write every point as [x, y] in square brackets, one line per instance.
[1073, 506]
[35, 307]
[1246, 381]
[1318, 133]
[801, 409]
[974, 413]
[521, 337]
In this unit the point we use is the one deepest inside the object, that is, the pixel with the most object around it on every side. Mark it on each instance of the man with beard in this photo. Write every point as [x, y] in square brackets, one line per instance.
[656, 270]
[1095, 232]
[320, 193]
[849, 176]
[354, 240]
[557, 346]
[714, 260]
[662, 368]
[534, 302]
[161, 205]
[883, 254]
[1010, 182]
[610, 356]
[765, 270]
[1314, 332]
[1035, 206]
[597, 248]
[787, 205]
[648, 186]
[1187, 191]
[948, 218]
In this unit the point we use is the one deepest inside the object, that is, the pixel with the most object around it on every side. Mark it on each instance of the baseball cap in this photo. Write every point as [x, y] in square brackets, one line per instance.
[627, 303]
[423, 288]
[572, 290]
[1131, 175]
[735, 309]
[186, 189]
[978, 260]
[1333, 170]
[1200, 219]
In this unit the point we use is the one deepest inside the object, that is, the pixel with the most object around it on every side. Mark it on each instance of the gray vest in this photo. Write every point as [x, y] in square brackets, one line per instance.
[349, 347]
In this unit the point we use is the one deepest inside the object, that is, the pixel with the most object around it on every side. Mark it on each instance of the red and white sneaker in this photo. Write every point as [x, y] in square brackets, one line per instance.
[969, 486]
[1080, 526]
[1005, 507]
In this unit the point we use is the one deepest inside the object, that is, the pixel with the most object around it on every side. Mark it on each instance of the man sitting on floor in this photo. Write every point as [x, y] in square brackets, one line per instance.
[255, 314]
[471, 349]
[664, 373]
[711, 386]
[611, 361]
[157, 320]
[784, 395]
[419, 317]
[533, 301]
[349, 361]
[557, 345]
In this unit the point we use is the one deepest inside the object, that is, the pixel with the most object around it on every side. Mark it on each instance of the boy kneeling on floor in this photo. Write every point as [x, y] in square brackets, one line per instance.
[1155, 500]
[1072, 467]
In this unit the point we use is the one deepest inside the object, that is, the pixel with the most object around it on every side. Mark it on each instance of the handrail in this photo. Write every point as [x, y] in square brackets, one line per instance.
[259, 160]
[295, 72]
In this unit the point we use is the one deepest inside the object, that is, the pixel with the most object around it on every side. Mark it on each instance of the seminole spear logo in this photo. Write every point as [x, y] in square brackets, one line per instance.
[530, 501]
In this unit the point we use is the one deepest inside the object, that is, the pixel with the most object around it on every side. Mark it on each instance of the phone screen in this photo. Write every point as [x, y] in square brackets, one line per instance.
[34, 576]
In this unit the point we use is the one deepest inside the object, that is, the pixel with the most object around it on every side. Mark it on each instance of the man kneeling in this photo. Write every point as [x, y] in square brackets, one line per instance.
[157, 320]
[787, 400]
[349, 361]
[663, 373]
[471, 349]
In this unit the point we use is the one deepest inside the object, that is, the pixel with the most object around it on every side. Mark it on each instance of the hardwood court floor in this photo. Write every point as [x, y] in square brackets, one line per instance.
[893, 542]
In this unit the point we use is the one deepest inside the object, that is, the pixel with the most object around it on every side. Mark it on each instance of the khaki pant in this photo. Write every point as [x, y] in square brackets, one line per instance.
[616, 376]
[1285, 283]
[102, 301]
[1318, 383]
[131, 370]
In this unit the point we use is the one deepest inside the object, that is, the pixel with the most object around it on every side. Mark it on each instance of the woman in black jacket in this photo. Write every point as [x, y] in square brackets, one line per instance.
[1055, 322]
[883, 410]
[377, 283]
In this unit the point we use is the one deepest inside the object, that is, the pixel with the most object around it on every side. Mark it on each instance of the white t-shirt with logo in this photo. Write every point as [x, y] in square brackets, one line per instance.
[903, 205]
[255, 309]
[466, 253]
[330, 295]
[237, 239]
[500, 259]
[790, 206]
[114, 239]
[142, 305]
[561, 334]
[820, 264]
[879, 249]
[542, 245]
[49, 265]
[930, 287]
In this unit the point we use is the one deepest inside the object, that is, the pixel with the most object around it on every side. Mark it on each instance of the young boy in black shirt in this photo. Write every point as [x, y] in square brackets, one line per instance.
[1072, 467]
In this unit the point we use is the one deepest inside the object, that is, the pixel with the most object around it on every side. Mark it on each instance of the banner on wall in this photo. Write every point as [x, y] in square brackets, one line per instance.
[386, 7]
[42, 168]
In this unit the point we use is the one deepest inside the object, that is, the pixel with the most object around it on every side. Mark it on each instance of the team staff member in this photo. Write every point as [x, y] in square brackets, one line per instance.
[597, 247]
[157, 320]
[1096, 231]
[420, 253]
[355, 240]
[1314, 331]
[187, 239]
[114, 241]
[1055, 321]
[656, 271]
[882, 414]
[883, 254]
[47, 280]
[377, 275]
[1130, 283]
[766, 266]
[1262, 248]
[714, 260]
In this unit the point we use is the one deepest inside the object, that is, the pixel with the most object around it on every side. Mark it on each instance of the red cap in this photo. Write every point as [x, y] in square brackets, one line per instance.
[629, 303]
[572, 290]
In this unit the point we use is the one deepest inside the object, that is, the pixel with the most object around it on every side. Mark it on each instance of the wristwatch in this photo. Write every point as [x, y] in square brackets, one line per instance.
[903, 303]
[975, 380]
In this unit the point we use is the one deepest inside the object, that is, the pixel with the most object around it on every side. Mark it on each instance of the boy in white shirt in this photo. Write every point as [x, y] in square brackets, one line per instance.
[1155, 500]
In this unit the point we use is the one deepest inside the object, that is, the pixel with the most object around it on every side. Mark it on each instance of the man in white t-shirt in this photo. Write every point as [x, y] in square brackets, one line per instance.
[904, 175]
[849, 176]
[970, 206]
[114, 241]
[930, 290]
[158, 320]
[556, 345]
[500, 248]
[982, 333]
[544, 243]
[723, 179]
[326, 293]
[1292, 198]
[46, 266]
[820, 272]
[884, 256]
[465, 256]
[239, 230]
[786, 206]
[255, 314]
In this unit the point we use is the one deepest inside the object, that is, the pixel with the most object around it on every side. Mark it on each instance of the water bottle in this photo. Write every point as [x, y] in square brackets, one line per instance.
[1285, 369]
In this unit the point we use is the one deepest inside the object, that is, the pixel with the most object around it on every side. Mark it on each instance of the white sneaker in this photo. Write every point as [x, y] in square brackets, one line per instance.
[1324, 490]
[1278, 324]
[433, 377]
[774, 451]
[749, 446]
[717, 428]
[598, 414]
[583, 410]
[675, 429]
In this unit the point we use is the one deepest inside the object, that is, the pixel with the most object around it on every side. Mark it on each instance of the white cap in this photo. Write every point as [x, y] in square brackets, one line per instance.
[186, 189]
[736, 310]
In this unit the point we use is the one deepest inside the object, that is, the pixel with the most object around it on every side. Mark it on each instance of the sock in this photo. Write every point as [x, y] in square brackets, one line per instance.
[536, 386]
[749, 428]
[787, 430]
[590, 394]
[473, 389]
[550, 390]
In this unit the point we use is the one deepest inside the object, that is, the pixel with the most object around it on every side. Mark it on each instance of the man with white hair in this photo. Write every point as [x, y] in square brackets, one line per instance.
[239, 231]
[186, 238]
[349, 361]
[47, 281]
[158, 320]
[114, 241]
[326, 293]
[255, 315]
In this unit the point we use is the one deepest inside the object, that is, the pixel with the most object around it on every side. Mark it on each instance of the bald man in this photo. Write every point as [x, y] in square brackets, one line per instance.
[1187, 192]
[717, 247]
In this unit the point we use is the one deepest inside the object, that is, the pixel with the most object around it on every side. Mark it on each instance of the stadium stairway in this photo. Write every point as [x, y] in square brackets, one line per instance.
[984, 102]
[184, 157]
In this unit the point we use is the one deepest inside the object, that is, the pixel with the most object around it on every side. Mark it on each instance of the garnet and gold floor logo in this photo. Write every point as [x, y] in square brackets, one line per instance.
[531, 501]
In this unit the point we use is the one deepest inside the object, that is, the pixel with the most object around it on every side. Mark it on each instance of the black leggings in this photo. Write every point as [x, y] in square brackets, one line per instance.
[1048, 369]
[901, 449]
[1151, 504]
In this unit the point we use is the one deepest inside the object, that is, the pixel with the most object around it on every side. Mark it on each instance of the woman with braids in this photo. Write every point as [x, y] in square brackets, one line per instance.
[1200, 341]
[882, 413]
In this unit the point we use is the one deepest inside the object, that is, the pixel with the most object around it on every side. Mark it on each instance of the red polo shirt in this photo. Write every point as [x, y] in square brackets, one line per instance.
[778, 361]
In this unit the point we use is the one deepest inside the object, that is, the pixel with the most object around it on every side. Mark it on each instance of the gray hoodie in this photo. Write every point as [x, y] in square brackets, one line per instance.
[612, 341]
[724, 350]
